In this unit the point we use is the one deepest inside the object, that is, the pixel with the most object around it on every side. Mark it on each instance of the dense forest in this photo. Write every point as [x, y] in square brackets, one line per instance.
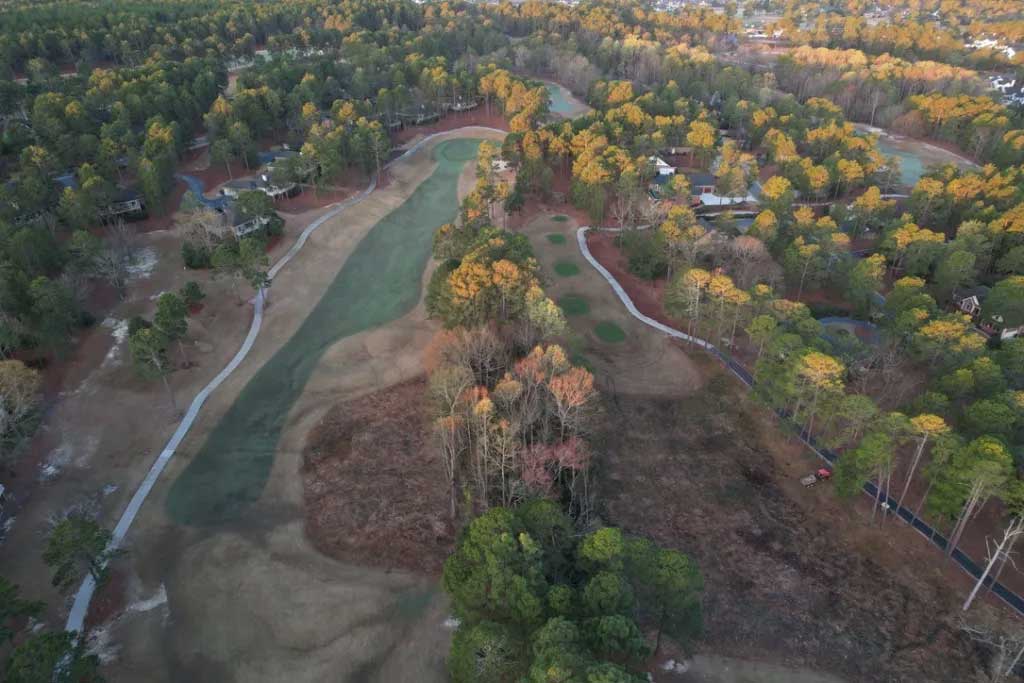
[102, 103]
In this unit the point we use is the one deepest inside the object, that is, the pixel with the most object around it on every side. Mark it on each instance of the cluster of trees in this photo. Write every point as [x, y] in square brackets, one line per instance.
[108, 128]
[987, 130]
[914, 37]
[534, 603]
[870, 89]
[511, 411]
[607, 151]
[93, 132]
[36, 37]
[511, 419]
[19, 407]
[75, 546]
[149, 341]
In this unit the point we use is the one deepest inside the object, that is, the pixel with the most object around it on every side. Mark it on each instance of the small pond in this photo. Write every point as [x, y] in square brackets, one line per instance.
[563, 102]
[916, 156]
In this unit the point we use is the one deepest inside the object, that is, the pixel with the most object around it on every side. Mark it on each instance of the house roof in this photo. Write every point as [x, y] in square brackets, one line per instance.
[700, 178]
[981, 291]
[125, 194]
[243, 184]
[273, 155]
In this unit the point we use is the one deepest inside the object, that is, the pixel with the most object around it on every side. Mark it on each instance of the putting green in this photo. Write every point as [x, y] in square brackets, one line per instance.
[567, 268]
[574, 304]
[379, 282]
[609, 332]
[556, 238]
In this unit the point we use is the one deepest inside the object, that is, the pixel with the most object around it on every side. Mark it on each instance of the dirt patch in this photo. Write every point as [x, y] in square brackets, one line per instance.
[110, 598]
[783, 586]
[374, 491]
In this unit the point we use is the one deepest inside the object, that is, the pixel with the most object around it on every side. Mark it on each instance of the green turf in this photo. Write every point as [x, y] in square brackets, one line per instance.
[379, 282]
[560, 218]
[574, 304]
[609, 332]
[567, 268]
[556, 238]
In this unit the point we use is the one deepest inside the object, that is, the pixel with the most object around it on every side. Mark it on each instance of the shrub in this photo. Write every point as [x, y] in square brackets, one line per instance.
[192, 293]
[645, 257]
[136, 323]
[195, 256]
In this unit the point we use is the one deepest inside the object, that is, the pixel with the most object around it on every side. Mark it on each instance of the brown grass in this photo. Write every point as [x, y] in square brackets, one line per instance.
[792, 575]
[375, 494]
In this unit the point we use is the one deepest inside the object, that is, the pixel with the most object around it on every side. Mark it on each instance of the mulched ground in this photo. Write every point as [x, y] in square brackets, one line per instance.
[110, 599]
[792, 575]
[374, 487]
[648, 299]
[646, 294]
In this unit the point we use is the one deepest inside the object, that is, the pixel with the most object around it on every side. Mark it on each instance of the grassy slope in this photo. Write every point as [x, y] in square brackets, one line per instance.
[379, 282]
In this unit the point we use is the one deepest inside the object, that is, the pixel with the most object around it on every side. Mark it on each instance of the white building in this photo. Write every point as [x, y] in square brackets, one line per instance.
[662, 167]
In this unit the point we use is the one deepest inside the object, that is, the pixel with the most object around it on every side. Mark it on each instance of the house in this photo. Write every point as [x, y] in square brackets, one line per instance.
[261, 183]
[125, 202]
[1004, 332]
[460, 104]
[270, 156]
[242, 224]
[662, 167]
[969, 301]
[701, 182]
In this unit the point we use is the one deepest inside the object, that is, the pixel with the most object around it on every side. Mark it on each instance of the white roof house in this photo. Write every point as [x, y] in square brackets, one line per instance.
[662, 166]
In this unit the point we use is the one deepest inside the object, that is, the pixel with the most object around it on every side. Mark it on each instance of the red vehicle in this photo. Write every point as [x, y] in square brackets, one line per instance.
[821, 474]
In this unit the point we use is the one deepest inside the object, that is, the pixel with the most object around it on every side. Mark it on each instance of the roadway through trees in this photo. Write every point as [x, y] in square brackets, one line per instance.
[380, 282]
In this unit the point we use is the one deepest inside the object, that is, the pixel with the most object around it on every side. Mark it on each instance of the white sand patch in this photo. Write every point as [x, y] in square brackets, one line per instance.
[57, 460]
[101, 644]
[119, 331]
[158, 599]
[101, 640]
[66, 454]
[451, 623]
[143, 265]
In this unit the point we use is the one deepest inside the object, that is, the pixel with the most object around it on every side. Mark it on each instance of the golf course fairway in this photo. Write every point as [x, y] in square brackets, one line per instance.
[380, 282]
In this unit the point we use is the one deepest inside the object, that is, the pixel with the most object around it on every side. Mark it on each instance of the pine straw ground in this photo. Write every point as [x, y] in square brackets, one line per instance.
[374, 490]
[792, 575]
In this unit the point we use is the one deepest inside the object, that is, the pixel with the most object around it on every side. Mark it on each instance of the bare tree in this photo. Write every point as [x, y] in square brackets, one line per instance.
[119, 254]
[746, 255]
[1000, 633]
[448, 431]
[205, 228]
[1014, 529]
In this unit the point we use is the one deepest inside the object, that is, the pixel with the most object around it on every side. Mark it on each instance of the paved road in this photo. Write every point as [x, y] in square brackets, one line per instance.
[195, 186]
[963, 561]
